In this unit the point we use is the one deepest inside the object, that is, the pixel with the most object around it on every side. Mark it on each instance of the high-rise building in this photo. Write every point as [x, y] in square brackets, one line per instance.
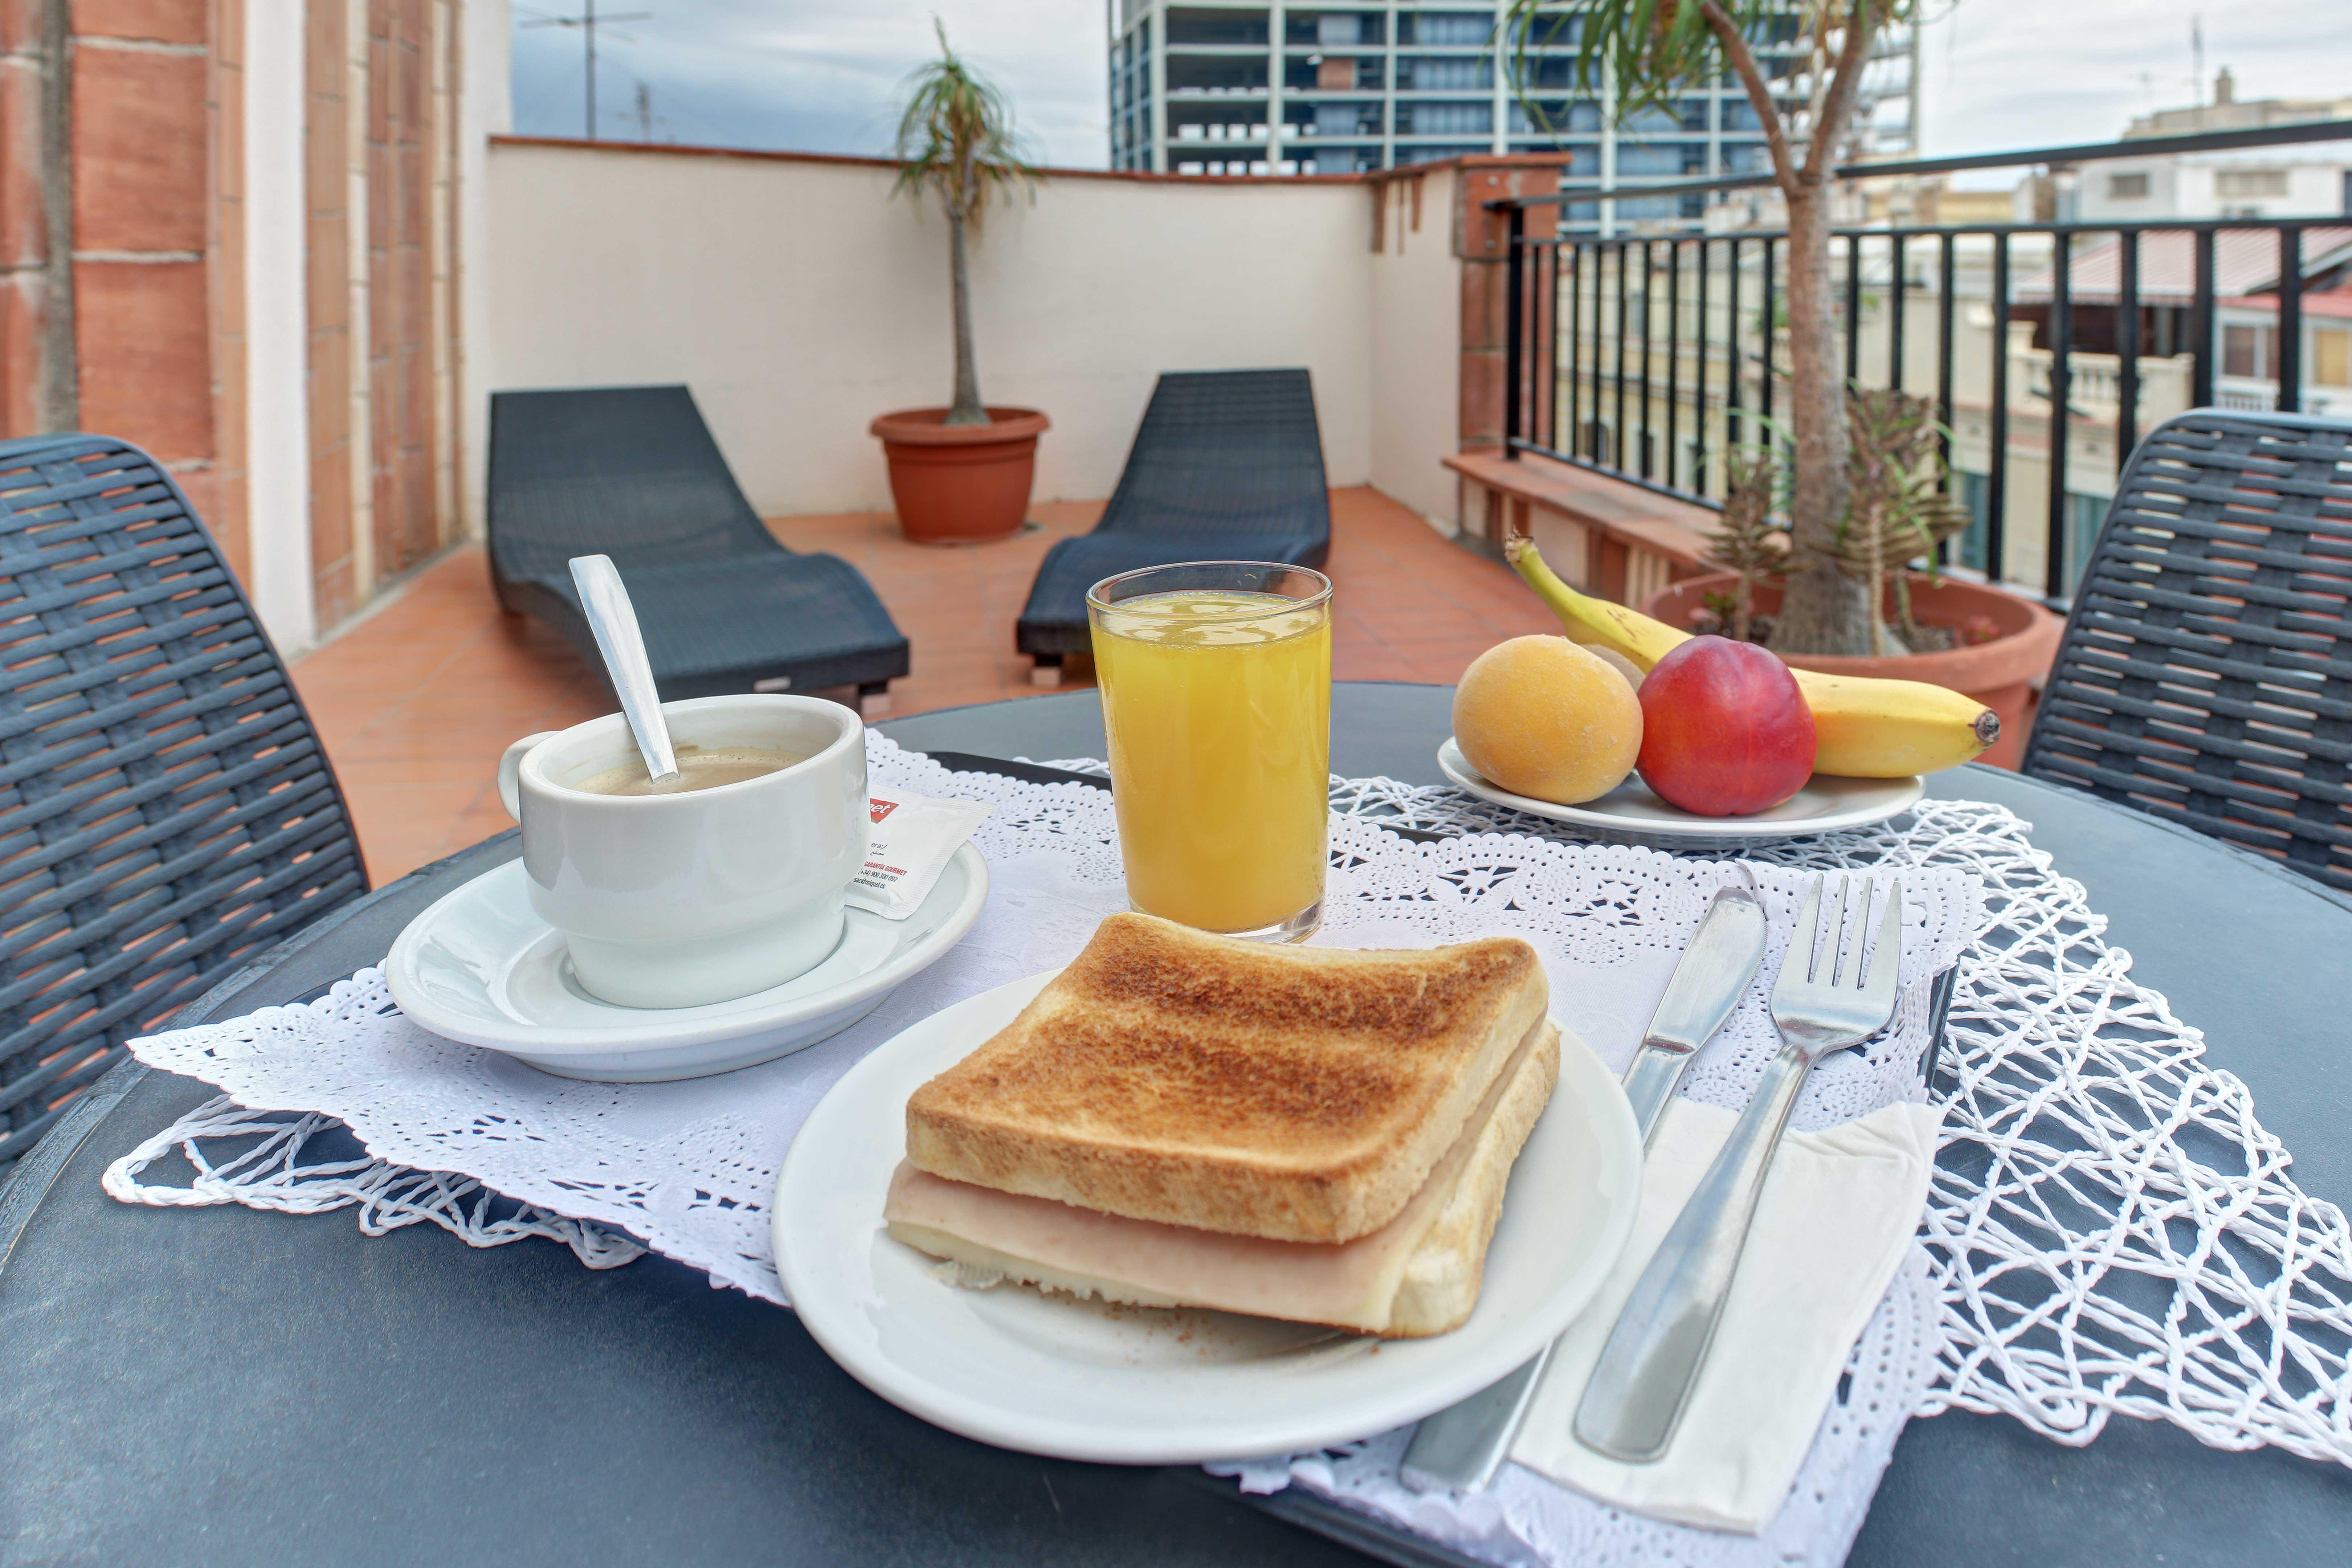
[1249, 87]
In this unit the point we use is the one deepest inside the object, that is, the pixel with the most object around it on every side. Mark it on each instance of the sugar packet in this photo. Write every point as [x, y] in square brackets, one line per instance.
[910, 843]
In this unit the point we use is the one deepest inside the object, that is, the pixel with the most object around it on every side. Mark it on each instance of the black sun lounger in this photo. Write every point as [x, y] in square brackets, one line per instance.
[1227, 465]
[631, 472]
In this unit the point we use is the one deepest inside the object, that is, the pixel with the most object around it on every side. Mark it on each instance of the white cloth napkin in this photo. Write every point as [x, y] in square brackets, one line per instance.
[1837, 1213]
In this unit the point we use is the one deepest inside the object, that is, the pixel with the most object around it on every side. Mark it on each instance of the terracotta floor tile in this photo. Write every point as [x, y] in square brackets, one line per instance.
[415, 702]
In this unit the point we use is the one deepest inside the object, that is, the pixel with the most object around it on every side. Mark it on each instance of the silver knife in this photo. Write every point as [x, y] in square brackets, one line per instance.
[1462, 1446]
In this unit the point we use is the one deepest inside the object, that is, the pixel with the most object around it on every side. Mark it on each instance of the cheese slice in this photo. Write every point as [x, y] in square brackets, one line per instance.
[1417, 1275]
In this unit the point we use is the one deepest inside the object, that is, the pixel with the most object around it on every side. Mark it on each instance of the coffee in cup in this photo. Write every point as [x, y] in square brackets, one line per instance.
[674, 897]
[699, 767]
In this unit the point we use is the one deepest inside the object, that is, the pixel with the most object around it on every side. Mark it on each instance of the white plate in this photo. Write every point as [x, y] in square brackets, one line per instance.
[481, 967]
[1081, 1380]
[1630, 812]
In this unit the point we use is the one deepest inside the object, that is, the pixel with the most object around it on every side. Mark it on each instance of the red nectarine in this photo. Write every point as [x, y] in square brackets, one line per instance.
[1725, 730]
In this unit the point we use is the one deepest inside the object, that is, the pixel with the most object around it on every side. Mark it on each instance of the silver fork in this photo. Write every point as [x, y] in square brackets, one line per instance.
[1651, 1363]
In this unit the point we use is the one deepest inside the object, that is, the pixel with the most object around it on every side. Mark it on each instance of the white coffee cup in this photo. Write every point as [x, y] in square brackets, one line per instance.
[673, 900]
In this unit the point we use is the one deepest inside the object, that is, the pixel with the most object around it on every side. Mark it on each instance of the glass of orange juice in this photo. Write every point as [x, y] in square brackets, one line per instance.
[1216, 693]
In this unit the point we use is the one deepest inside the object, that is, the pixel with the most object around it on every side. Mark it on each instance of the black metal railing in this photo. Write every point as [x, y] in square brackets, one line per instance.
[1651, 356]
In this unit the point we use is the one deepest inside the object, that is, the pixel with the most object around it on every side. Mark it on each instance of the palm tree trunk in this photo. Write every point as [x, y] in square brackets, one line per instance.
[1824, 610]
[968, 408]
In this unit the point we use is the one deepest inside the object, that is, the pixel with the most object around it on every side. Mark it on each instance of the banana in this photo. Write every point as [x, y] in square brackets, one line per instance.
[1589, 620]
[1863, 727]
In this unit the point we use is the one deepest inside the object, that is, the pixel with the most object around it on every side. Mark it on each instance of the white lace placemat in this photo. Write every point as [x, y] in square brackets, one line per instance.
[2111, 1230]
[2114, 1230]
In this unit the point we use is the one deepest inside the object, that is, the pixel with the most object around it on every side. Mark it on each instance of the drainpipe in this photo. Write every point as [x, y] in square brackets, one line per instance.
[58, 395]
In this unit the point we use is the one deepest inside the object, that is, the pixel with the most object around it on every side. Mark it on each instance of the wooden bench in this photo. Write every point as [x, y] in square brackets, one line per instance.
[1604, 536]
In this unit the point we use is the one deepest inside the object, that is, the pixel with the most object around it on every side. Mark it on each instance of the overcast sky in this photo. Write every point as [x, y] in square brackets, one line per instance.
[825, 77]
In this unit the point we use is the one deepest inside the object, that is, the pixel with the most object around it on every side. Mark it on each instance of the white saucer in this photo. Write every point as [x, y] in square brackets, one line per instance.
[481, 967]
[1631, 814]
[1081, 1380]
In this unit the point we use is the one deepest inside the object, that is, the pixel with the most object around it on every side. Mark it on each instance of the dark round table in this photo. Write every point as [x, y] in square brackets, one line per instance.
[227, 1385]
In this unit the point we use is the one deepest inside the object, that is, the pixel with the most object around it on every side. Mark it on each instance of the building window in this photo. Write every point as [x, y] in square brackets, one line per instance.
[2249, 352]
[1202, 27]
[1335, 29]
[2229, 182]
[1424, 74]
[2331, 356]
[1446, 119]
[1458, 30]
[1746, 158]
[2127, 187]
[1342, 120]
[1637, 159]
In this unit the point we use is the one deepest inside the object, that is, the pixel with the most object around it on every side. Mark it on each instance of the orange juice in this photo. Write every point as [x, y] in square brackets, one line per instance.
[1218, 705]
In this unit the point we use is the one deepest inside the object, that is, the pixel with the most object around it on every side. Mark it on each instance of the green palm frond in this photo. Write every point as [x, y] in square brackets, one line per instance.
[956, 138]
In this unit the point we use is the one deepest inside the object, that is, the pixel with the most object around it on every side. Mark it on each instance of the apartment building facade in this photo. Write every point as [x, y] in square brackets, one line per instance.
[1226, 87]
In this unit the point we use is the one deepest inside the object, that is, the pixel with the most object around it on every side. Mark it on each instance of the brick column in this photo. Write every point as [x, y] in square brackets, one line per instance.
[1479, 240]
[140, 278]
[405, 428]
[142, 225]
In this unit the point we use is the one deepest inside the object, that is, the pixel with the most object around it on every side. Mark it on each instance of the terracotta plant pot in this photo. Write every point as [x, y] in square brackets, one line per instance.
[961, 483]
[1999, 673]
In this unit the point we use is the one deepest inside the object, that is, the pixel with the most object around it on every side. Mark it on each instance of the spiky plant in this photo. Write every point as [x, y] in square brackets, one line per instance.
[1897, 510]
[1652, 50]
[1748, 541]
[956, 141]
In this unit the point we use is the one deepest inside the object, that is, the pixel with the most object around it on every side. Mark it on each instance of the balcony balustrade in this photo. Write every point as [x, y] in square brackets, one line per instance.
[2048, 347]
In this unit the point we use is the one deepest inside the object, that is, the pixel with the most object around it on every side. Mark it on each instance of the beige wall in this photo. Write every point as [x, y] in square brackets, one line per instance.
[798, 300]
[1416, 327]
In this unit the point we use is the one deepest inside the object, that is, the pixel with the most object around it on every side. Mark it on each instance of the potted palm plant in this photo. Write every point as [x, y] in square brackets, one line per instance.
[1830, 607]
[1651, 52]
[962, 472]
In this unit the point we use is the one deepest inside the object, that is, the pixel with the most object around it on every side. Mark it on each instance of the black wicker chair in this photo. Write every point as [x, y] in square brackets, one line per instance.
[165, 809]
[2206, 674]
[1227, 465]
[631, 472]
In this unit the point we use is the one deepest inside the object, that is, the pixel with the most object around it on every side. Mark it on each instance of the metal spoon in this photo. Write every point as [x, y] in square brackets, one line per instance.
[615, 622]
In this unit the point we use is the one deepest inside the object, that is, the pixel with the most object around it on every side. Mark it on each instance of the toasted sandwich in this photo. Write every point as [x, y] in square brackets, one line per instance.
[1186, 1119]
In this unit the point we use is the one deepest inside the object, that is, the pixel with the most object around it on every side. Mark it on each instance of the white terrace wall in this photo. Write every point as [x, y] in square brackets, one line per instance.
[1416, 335]
[798, 300]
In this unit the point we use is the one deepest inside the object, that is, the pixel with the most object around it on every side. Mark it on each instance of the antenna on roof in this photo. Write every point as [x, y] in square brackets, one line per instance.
[644, 114]
[2197, 53]
[588, 22]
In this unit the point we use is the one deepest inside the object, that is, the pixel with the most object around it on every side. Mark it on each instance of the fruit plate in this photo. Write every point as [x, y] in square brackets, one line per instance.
[1138, 1386]
[1631, 814]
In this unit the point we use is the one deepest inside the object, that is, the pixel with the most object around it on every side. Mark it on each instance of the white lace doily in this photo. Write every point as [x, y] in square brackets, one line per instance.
[686, 1167]
[2111, 1229]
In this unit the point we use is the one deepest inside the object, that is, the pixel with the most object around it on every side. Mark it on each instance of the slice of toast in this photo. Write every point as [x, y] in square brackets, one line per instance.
[1417, 1275]
[1294, 1094]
